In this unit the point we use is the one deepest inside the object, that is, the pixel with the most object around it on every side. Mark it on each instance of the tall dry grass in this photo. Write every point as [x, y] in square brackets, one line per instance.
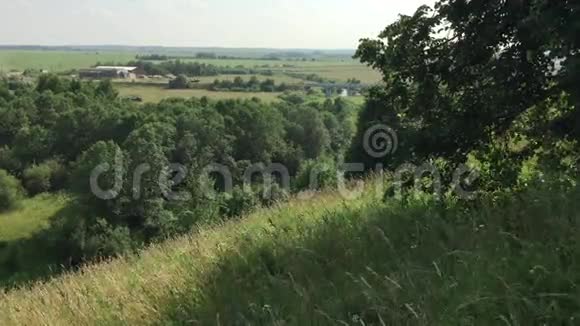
[509, 260]
[137, 289]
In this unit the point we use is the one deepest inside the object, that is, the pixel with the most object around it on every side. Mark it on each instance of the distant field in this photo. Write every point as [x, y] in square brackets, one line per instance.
[252, 63]
[345, 72]
[56, 61]
[154, 93]
[278, 78]
[340, 70]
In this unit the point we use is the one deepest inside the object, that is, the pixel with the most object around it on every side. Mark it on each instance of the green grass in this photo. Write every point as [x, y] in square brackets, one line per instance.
[56, 61]
[277, 64]
[25, 255]
[339, 70]
[357, 100]
[32, 217]
[327, 261]
[156, 93]
[344, 72]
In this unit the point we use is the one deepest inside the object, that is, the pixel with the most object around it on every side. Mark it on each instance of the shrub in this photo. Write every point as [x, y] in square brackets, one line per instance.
[99, 154]
[108, 240]
[317, 175]
[293, 98]
[44, 177]
[10, 191]
[8, 159]
[77, 239]
[180, 82]
[37, 179]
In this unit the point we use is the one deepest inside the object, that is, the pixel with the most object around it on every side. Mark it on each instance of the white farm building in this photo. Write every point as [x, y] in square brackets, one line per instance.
[110, 72]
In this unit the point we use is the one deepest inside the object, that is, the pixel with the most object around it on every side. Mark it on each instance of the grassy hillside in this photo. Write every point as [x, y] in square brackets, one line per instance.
[326, 261]
[31, 217]
[23, 254]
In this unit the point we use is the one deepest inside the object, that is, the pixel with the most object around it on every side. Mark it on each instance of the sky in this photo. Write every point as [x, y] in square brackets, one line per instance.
[313, 24]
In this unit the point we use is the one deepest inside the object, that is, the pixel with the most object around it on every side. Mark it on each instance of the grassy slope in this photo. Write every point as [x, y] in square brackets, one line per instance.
[23, 255]
[326, 261]
[138, 289]
[33, 216]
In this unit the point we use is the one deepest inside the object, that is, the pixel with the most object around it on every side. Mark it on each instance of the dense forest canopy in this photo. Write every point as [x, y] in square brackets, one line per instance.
[55, 133]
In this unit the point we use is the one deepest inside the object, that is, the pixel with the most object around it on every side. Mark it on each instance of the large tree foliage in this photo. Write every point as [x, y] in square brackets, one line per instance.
[10, 191]
[464, 73]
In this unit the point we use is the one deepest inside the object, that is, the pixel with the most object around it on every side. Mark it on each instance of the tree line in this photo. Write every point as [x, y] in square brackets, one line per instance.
[251, 85]
[190, 69]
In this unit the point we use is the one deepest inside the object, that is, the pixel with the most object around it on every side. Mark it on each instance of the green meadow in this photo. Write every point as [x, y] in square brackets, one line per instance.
[56, 61]
[23, 231]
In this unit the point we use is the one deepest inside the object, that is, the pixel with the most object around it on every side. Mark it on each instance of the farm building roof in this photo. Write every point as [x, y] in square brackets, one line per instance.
[115, 68]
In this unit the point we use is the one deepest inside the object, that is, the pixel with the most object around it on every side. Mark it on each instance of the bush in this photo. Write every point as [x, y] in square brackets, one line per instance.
[98, 154]
[77, 239]
[180, 82]
[108, 240]
[317, 175]
[44, 177]
[10, 191]
[8, 159]
[239, 202]
[276, 194]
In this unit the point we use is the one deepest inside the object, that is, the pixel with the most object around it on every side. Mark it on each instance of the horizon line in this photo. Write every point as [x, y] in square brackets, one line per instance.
[175, 47]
